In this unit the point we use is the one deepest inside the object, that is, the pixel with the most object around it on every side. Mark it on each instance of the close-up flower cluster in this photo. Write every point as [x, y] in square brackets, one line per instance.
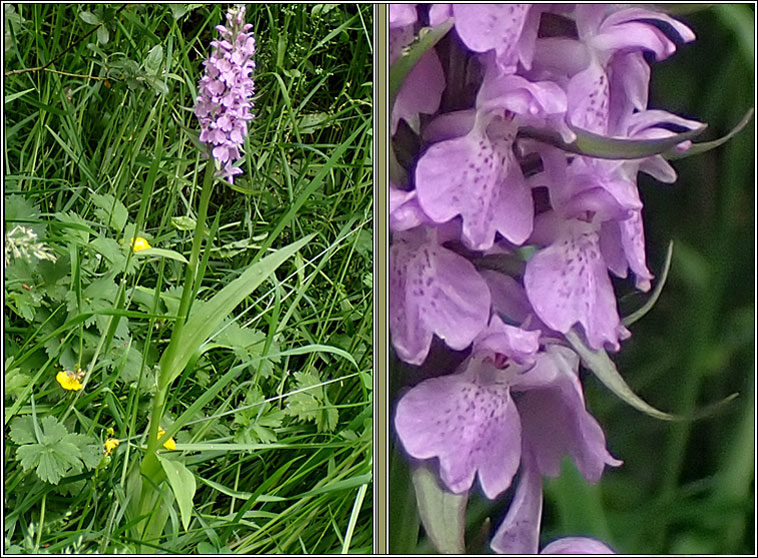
[224, 106]
[507, 226]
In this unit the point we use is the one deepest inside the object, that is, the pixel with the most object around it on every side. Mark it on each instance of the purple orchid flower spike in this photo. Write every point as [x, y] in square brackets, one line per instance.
[226, 89]
[433, 290]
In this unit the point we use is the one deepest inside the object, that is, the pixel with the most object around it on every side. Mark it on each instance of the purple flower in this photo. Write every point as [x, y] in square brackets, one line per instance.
[422, 88]
[567, 282]
[472, 423]
[226, 89]
[405, 212]
[506, 29]
[519, 531]
[433, 290]
[477, 175]
[607, 57]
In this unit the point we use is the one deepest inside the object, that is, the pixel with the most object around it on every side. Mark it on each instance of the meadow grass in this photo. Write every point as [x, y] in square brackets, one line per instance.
[274, 412]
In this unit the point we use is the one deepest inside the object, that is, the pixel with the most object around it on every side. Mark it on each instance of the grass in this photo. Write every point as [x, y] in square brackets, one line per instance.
[100, 148]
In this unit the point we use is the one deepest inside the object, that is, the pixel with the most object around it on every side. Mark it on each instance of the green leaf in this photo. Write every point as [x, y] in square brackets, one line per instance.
[110, 211]
[442, 512]
[162, 253]
[322, 9]
[57, 453]
[255, 421]
[203, 321]
[183, 223]
[182, 482]
[75, 228]
[603, 147]
[90, 451]
[403, 512]
[15, 384]
[110, 250]
[22, 430]
[18, 208]
[248, 344]
[53, 430]
[702, 147]
[637, 314]
[312, 404]
[154, 59]
[310, 123]
[103, 35]
[427, 38]
[157, 84]
[180, 10]
[13, 96]
[603, 367]
[89, 17]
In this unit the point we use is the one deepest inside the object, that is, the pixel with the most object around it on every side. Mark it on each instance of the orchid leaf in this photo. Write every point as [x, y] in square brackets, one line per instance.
[427, 38]
[206, 319]
[702, 147]
[602, 147]
[637, 314]
[182, 482]
[403, 514]
[603, 367]
[442, 512]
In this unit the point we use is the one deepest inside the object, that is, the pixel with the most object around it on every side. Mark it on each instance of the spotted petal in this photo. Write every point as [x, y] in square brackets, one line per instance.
[588, 95]
[484, 27]
[568, 283]
[520, 530]
[555, 421]
[479, 180]
[433, 291]
[471, 425]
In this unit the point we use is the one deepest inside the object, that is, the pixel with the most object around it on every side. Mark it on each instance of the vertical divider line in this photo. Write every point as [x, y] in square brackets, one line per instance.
[381, 243]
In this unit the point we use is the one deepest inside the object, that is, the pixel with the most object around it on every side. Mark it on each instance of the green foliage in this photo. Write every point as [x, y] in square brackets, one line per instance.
[182, 483]
[257, 420]
[100, 148]
[54, 453]
[310, 402]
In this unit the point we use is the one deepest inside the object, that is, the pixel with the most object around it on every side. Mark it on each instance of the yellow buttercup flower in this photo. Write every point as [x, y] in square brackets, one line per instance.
[170, 444]
[110, 445]
[69, 380]
[140, 243]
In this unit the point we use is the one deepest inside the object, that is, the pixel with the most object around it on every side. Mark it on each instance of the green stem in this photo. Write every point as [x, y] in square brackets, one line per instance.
[150, 467]
[167, 361]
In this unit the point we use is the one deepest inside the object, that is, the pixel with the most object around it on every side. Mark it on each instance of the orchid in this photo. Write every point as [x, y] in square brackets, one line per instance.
[513, 202]
[226, 88]
[474, 425]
